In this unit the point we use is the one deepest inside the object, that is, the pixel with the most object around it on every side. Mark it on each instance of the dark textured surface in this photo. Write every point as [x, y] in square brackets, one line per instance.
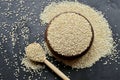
[29, 10]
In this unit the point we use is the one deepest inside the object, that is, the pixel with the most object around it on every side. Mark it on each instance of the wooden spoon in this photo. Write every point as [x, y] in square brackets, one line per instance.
[35, 52]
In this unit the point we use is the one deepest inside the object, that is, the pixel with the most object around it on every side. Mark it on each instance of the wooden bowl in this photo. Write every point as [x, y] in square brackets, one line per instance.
[69, 57]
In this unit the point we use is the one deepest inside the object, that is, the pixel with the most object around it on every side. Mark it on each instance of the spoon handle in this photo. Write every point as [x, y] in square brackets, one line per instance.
[56, 70]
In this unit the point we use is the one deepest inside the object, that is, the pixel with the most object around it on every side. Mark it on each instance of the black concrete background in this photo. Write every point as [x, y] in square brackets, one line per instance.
[111, 11]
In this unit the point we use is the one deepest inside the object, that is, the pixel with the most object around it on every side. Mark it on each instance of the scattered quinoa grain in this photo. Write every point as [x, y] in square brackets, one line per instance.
[103, 44]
